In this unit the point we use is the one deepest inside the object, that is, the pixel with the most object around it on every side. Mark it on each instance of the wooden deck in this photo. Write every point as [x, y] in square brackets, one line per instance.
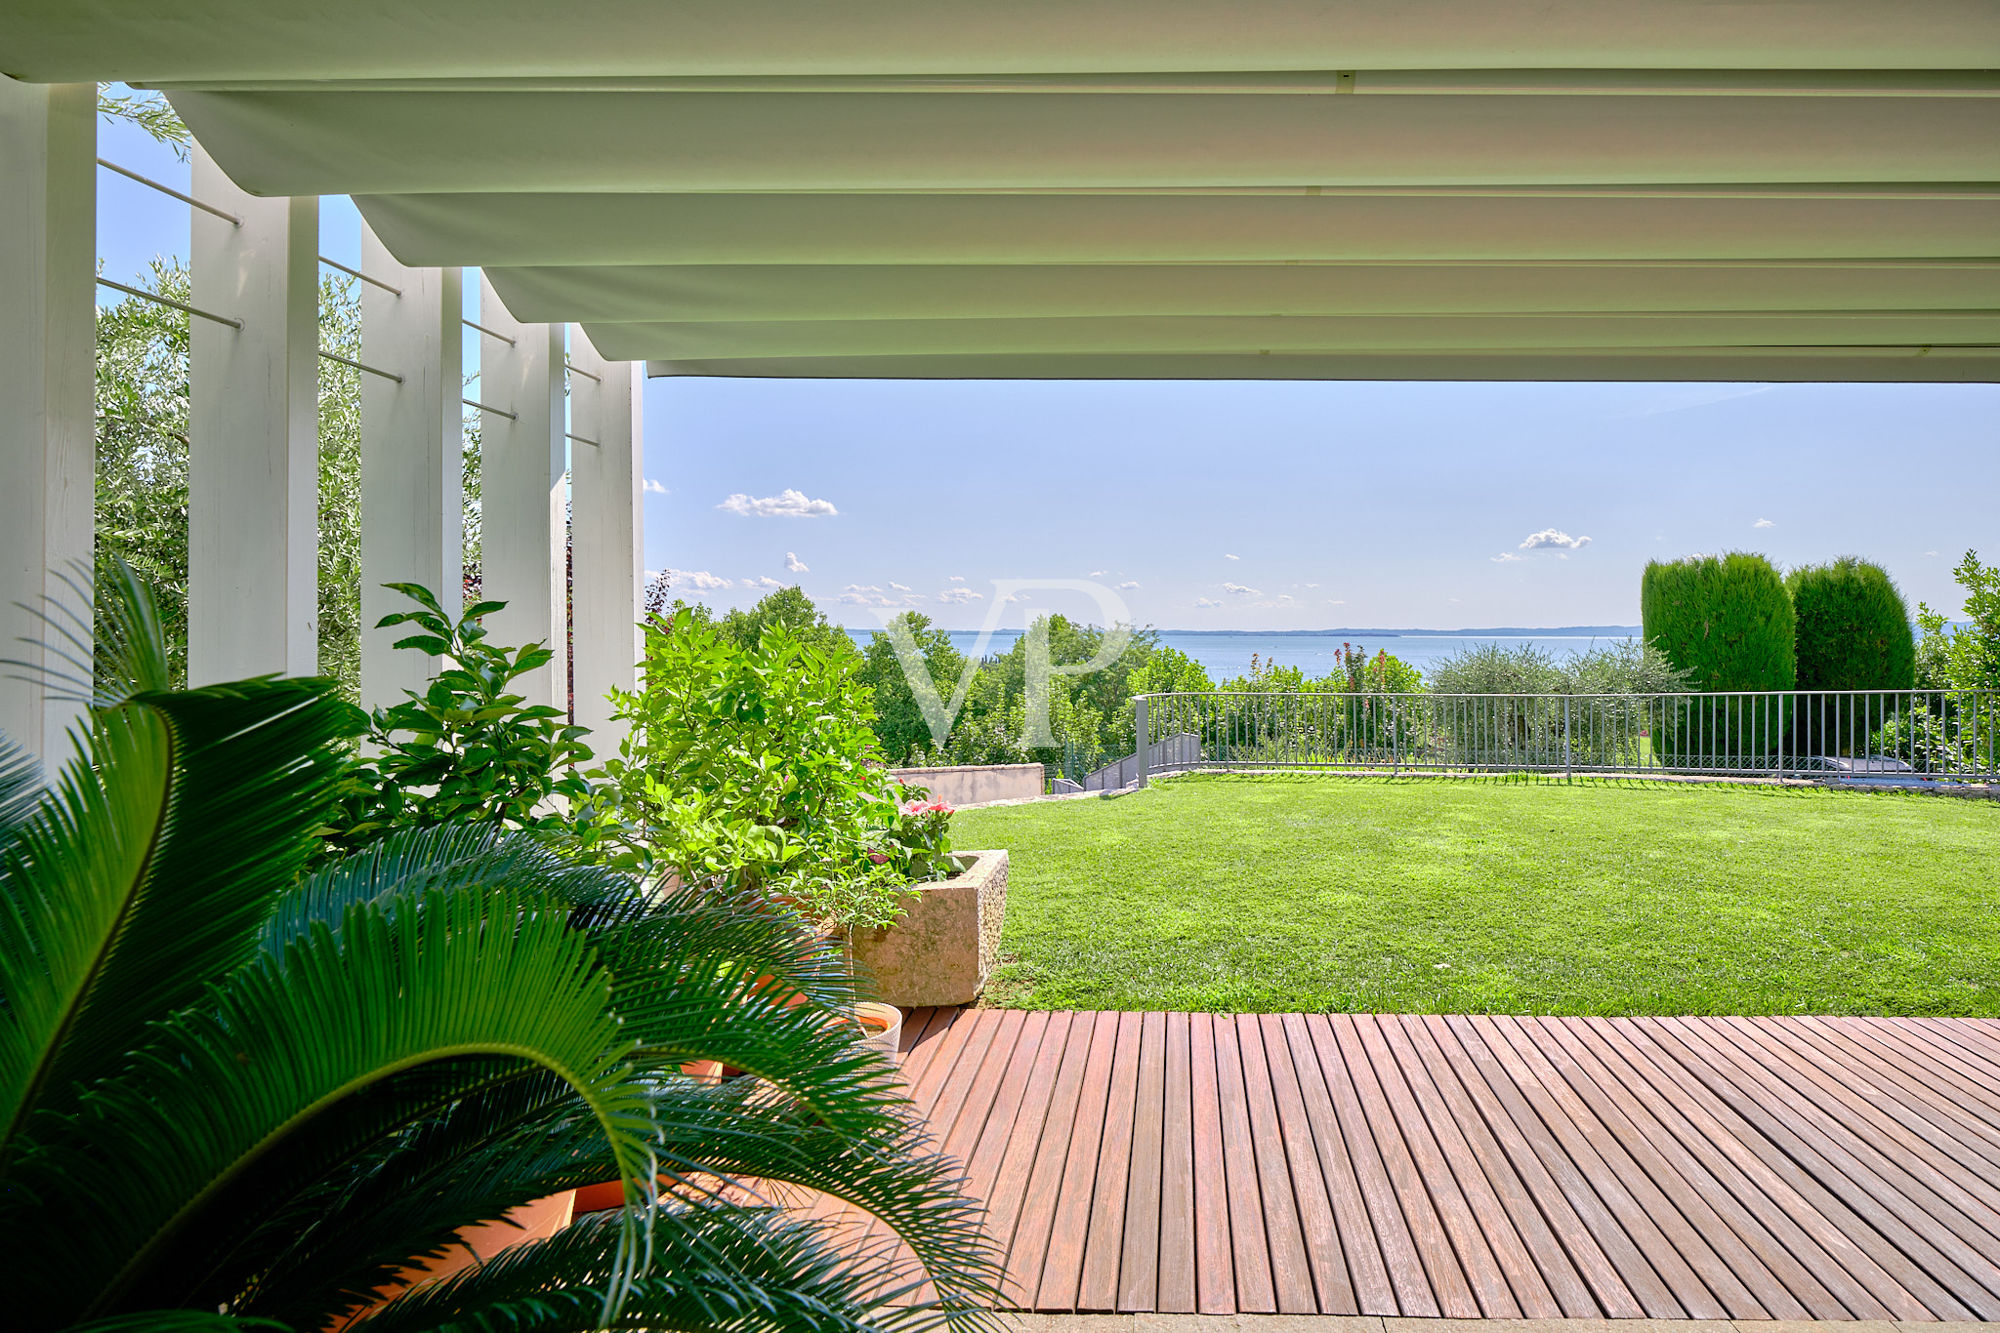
[1451, 1166]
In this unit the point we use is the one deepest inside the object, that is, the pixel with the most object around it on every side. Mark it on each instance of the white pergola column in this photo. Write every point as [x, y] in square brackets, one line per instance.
[606, 491]
[412, 440]
[521, 492]
[253, 435]
[48, 266]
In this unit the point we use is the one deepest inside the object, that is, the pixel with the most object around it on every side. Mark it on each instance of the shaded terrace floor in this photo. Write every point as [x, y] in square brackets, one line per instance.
[1681, 1168]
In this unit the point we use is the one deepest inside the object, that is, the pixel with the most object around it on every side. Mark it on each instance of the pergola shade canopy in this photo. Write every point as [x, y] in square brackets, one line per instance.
[1314, 188]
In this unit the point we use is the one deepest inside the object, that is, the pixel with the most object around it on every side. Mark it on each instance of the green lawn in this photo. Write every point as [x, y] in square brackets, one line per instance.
[1444, 895]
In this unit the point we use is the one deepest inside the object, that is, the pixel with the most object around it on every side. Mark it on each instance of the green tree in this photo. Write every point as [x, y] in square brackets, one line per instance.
[1853, 627]
[900, 724]
[1963, 657]
[230, 1094]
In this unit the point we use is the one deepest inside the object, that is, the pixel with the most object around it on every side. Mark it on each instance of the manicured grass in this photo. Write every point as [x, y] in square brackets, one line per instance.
[1440, 895]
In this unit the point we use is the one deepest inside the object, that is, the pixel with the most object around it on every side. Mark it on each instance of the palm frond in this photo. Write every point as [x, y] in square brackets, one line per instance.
[176, 1321]
[450, 857]
[146, 875]
[65, 888]
[737, 1270]
[751, 936]
[131, 1183]
[20, 789]
[130, 641]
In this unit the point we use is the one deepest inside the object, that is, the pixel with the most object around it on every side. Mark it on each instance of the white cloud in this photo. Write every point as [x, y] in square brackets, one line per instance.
[1238, 590]
[1680, 400]
[864, 594]
[1206, 603]
[1010, 597]
[761, 581]
[1128, 585]
[1227, 556]
[1098, 573]
[960, 596]
[1763, 523]
[958, 578]
[794, 565]
[656, 487]
[1335, 601]
[900, 587]
[698, 579]
[1553, 539]
[787, 503]
[1931, 554]
[1505, 557]
[1312, 585]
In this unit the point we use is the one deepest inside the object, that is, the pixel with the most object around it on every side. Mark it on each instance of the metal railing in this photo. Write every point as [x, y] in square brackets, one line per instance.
[1866, 735]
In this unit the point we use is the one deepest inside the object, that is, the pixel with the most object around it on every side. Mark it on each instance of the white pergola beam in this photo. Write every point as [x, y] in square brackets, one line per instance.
[1937, 365]
[253, 434]
[1274, 227]
[48, 227]
[254, 39]
[392, 141]
[1173, 334]
[412, 459]
[815, 292]
[522, 498]
[607, 494]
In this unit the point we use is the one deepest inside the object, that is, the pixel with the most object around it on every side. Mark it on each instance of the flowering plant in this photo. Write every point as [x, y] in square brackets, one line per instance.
[918, 843]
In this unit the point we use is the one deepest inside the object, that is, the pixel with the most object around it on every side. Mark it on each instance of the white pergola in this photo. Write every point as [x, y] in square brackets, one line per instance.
[1443, 189]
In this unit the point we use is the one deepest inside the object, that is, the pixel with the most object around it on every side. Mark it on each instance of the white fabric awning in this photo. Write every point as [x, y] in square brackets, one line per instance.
[1672, 189]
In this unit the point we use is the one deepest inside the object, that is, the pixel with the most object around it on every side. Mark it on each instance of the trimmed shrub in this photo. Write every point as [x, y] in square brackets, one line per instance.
[1853, 634]
[1728, 622]
[1853, 628]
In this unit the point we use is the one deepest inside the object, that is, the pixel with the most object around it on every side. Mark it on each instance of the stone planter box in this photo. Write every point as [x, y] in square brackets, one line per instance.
[942, 949]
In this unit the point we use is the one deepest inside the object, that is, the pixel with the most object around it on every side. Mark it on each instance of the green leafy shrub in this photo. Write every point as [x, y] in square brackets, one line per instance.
[753, 767]
[1946, 733]
[231, 1095]
[468, 749]
[1726, 621]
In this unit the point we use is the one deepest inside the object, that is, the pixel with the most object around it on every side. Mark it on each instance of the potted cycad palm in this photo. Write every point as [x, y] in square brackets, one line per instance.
[232, 1091]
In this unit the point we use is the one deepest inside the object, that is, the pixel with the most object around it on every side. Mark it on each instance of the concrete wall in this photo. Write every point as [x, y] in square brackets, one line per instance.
[970, 784]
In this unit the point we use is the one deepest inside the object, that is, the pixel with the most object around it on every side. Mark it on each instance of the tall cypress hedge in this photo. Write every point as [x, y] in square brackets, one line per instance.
[1853, 628]
[1853, 634]
[1727, 621]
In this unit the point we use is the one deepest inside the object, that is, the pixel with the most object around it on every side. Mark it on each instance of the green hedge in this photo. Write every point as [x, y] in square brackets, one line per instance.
[1853, 634]
[1853, 628]
[1728, 622]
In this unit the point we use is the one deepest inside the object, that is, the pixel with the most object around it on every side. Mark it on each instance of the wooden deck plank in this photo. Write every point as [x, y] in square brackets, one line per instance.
[1175, 1274]
[1385, 1213]
[1935, 1099]
[1215, 1269]
[1948, 1213]
[1448, 1281]
[1924, 1147]
[1138, 1274]
[1838, 1168]
[1479, 1230]
[1691, 1298]
[1006, 1198]
[1367, 1271]
[1609, 1137]
[1103, 1252]
[1799, 1137]
[1284, 1235]
[1735, 1224]
[1850, 1276]
[1549, 1180]
[1326, 1257]
[1248, 1248]
[1544, 1282]
[1045, 1184]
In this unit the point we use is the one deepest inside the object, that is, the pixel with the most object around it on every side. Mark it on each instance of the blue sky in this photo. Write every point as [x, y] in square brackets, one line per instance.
[1253, 505]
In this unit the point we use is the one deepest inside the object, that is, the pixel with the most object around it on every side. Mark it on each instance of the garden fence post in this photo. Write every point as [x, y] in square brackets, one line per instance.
[1139, 733]
[1569, 754]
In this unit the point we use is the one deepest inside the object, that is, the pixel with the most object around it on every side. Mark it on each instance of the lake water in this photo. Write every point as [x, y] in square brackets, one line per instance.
[1227, 654]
